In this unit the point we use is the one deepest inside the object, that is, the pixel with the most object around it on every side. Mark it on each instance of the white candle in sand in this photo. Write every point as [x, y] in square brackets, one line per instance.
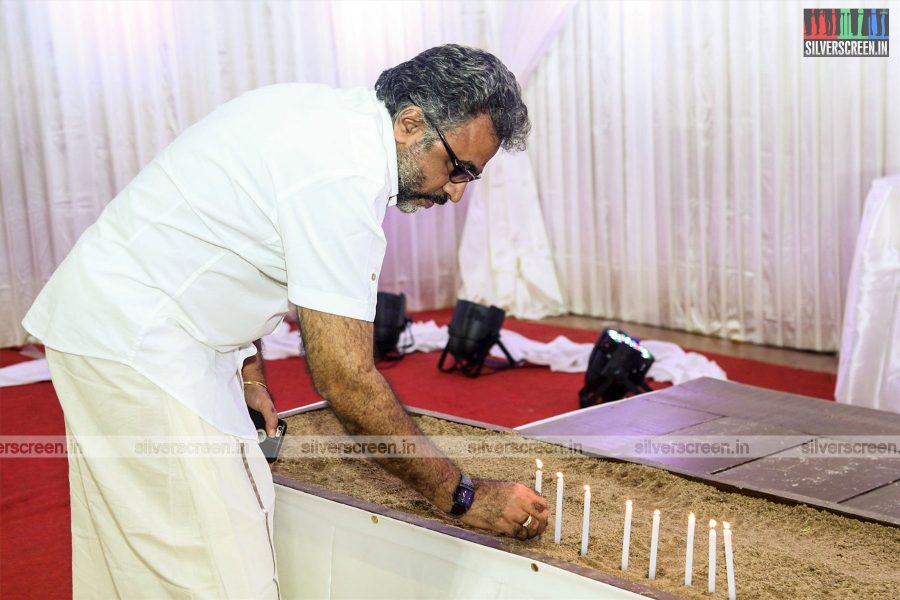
[689, 552]
[712, 556]
[729, 560]
[654, 544]
[538, 476]
[557, 534]
[626, 537]
[586, 521]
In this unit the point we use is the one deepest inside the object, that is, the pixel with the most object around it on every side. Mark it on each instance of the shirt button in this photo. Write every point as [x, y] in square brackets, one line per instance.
[373, 276]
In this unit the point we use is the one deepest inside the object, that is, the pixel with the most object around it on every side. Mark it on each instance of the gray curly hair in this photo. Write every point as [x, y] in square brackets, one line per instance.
[453, 84]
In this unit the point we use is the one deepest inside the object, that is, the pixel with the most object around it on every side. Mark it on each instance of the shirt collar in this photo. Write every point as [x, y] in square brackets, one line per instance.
[390, 146]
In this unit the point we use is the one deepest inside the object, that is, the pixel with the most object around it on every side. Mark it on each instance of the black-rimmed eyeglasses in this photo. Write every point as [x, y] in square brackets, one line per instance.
[460, 173]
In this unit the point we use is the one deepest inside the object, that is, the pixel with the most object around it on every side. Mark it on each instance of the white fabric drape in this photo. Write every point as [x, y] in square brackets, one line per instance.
[504, 256]
[869, 372]
[93, 90]
[696, 172]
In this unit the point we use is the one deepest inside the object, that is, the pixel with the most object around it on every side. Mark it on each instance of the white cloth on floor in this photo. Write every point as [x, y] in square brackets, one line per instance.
[423, 337]
[30, 371]
[672, 363]
[282, 343]
[562, 354]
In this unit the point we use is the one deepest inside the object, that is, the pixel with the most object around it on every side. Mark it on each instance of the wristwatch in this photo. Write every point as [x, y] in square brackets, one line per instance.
[463, 496]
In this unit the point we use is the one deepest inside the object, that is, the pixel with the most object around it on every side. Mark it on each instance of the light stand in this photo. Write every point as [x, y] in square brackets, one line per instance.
[474, 330]
[390, 322]
[617, 366]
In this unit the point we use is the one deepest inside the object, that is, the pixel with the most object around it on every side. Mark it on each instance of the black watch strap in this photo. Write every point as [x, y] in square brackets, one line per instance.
[463, 496]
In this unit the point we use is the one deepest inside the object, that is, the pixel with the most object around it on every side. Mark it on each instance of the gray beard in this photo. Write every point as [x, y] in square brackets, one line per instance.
[410, 178]
[406, 205]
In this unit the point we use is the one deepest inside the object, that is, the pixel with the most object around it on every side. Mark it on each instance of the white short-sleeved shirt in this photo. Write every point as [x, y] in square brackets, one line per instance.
[277, 195]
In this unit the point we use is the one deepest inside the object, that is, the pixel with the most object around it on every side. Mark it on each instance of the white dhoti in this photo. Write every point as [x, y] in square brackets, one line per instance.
[160, 519]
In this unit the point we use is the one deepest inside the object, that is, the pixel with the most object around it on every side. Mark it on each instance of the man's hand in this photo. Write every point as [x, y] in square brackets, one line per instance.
[502, 507]
[258, 398]
[256, 394]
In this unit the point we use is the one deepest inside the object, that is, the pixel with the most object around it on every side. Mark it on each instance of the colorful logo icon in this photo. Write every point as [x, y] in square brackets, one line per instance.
[846, 32]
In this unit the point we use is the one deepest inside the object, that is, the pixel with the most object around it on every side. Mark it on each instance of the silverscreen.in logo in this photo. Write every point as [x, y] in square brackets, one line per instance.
[846, 32]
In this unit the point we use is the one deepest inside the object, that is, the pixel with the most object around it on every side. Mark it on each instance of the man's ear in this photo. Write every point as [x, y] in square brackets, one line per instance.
[409, 126]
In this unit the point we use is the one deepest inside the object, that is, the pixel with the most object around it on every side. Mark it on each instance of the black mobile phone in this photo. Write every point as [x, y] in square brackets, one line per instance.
[271, 447]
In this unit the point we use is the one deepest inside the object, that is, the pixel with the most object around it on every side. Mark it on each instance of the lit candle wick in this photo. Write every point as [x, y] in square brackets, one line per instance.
[689, 551]
[729, 560]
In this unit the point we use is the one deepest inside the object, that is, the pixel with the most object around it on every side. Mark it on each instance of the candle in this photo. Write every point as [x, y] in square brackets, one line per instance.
[689, 552]
[729, 560]
[586, 521]
[626, 537]
[557, 534]
[538, 476]
[712, 556]
[654, 544]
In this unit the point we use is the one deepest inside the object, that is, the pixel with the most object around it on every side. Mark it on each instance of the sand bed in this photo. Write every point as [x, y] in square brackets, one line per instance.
[780, 551]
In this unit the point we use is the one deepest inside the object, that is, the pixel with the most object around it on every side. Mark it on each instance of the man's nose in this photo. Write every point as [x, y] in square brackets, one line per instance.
[455, 190]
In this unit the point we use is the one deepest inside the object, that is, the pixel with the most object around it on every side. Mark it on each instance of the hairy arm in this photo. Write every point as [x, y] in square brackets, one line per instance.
[339, 355]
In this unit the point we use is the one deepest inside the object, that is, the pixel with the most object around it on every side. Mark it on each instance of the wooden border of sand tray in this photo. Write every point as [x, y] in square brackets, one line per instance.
[458, 532]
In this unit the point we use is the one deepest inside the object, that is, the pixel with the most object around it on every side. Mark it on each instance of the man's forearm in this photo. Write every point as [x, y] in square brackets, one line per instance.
[339, 356]
[372, 409]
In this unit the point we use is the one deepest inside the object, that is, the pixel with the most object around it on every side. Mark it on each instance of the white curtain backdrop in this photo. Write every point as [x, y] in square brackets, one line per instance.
[693, 169]
[696, 172]
[504, 256]
[869, 372]
[93, 90]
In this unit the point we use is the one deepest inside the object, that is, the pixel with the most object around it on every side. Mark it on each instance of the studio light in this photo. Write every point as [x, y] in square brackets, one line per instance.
[390, 321]
[617, 366]
[474, 330]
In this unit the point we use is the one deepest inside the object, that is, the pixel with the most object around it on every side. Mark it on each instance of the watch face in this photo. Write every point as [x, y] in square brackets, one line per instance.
[463, 496]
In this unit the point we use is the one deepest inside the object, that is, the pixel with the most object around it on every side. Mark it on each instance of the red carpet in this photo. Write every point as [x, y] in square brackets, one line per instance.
[34, 504]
